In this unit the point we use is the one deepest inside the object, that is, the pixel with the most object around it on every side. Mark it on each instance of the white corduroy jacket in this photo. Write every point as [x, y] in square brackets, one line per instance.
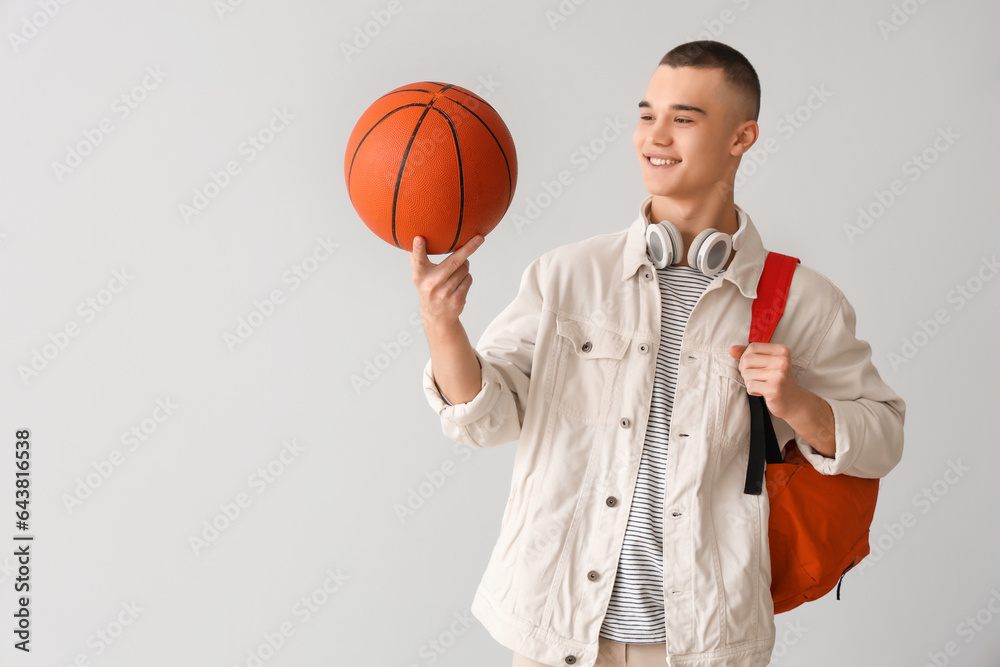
[567, 371]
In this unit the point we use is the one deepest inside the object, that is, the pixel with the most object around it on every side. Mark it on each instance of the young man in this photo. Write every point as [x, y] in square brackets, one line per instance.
[627, 537]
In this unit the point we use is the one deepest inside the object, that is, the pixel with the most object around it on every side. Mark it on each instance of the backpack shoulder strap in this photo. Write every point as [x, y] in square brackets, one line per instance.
[772, 294]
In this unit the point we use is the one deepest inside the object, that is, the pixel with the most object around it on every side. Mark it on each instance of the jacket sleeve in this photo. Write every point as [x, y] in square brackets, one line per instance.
[868, 415]
[505, 350]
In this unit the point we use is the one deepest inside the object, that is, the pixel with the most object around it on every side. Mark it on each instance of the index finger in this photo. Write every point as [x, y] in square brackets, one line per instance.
[455, 259]
[770, 349]
[763, 355]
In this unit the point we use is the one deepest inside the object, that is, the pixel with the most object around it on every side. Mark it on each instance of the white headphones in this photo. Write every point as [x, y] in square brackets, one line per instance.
[708, 253]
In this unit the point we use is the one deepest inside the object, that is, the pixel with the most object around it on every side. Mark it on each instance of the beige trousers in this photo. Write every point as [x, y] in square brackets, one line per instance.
[614, 654]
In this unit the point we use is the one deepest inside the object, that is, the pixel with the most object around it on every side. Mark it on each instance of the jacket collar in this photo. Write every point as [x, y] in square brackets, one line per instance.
[744, 271]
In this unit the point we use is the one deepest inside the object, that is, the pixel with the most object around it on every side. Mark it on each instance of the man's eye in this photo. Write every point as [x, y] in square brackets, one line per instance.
[644, 117]
[683, 120]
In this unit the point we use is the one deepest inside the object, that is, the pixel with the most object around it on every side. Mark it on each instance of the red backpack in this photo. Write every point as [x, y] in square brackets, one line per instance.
[818, 527]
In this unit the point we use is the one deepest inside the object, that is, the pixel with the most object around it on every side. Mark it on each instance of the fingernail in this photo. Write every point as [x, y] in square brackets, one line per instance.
[479, 239]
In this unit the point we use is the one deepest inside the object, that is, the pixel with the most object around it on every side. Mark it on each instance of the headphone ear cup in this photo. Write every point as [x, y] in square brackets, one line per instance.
[710, 251]
[663, 244]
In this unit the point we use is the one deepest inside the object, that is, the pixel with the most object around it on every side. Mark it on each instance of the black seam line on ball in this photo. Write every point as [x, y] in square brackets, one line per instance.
[476, 97]
[402, 165]
[351, 170]
[461, 178]
[510, 185]
[458, 156]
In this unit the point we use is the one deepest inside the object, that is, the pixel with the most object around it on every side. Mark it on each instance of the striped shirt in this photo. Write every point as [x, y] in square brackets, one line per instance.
[635, 613]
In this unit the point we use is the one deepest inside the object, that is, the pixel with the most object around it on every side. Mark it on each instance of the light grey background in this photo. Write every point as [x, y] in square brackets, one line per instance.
[405, 584]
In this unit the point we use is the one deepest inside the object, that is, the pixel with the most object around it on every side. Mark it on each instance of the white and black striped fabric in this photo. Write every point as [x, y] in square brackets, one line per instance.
[635, 613]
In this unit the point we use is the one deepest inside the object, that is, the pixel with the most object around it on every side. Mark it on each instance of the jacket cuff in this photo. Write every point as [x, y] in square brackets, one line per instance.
[479, 422]
[441, 394]
[436, 393]
[860, 451]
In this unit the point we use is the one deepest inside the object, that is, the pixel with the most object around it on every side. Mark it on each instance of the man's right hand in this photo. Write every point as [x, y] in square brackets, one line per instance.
[442, 287]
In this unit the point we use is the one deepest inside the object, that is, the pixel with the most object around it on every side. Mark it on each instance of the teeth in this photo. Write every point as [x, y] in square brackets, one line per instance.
[659, 162]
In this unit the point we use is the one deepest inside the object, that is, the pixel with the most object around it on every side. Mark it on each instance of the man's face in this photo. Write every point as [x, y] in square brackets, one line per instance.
[687, 114]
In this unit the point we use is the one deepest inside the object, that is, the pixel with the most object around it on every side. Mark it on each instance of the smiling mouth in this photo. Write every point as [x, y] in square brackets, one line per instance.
[661, 162]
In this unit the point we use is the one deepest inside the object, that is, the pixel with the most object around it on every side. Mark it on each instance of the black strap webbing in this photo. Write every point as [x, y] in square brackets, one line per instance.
[763, 445]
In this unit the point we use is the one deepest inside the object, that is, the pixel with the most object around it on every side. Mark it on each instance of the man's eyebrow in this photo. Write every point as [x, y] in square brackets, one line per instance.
[675, 107]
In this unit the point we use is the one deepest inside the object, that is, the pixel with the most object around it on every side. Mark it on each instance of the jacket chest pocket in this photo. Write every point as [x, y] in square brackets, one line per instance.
[590, 364]
[732, 417]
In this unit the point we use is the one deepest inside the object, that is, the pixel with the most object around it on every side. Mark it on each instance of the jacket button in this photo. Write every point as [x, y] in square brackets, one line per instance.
[625, 422]
[611, 501]
[587, 346]
[592, 575]
[570, 659]
[647, 275]
[675, 514]
[643, 348]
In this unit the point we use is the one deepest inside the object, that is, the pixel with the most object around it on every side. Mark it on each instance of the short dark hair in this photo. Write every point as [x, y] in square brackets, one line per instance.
[736, 69]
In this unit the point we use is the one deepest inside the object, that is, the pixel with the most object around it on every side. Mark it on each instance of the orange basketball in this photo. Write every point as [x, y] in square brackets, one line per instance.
[430, 159]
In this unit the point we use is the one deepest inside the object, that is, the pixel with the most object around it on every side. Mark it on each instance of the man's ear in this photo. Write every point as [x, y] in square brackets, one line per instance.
[745, 136]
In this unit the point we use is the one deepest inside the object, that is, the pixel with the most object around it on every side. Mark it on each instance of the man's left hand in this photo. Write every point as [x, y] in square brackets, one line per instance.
[767, 371]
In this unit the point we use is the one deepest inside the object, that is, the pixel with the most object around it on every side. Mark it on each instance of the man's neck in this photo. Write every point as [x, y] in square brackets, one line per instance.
[692, 217]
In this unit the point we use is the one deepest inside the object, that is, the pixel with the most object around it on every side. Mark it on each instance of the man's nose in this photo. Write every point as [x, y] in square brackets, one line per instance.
[660, 134]
[661, 138]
